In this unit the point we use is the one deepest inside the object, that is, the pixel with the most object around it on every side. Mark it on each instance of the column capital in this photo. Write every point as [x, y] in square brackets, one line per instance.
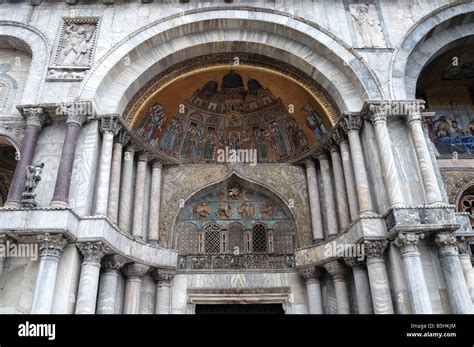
[463, 245]
[113, 263]
[377, 113]
[163, 276]
[310, 272]
[338, 136]
[35, 116]
[374, 249]
[336, 269]
[51, 245]
[73, 117]
[333, 146]
[354, 262]
[143, 156]
[92, 251]
[351, 122]
[130, 149]
[322, 155]
[408, 241]
[447, 243]
[122, 137]
[110, 125]
[309, 163]
[135, 270]
[157, 164]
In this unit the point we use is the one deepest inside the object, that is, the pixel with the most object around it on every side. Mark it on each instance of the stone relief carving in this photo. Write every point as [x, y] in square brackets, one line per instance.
[236, 261]
[75, 49]
[367, 24]
[8, 89]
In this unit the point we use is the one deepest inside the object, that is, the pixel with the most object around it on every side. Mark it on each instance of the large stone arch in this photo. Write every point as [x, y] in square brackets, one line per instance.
[286, 181]
[419, 46]
[342, 72]
[36, 43]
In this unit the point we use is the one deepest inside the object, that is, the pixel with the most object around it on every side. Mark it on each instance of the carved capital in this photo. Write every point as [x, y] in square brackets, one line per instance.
[338, 136]
[110, 125]
[322, 155]
[336, 269]
[408, 241]
[75, 118]
[113, 263]
[135, 270]
[130, 149]
[374, 249]
[447, 244]
[92, 251]
[163, 276]
[143, 156]
[377, 114]
[354, 262]
[35, 117]
[157, 164]
[122, 137]
[351, 122]
[309, 163]
[463, 245]
[310, 272]
[51, 245]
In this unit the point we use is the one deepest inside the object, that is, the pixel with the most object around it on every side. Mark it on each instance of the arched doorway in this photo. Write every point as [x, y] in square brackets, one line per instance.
[7, 168]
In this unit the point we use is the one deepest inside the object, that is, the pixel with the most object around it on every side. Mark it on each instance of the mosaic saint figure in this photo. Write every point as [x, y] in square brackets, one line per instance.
[277, 140]
[314, 121]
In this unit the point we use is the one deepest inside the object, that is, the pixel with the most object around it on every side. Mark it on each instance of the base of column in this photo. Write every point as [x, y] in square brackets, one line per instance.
[58, 204]
[12, 204]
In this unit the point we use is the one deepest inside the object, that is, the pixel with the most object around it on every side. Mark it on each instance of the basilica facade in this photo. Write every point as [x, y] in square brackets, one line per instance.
[186, 157]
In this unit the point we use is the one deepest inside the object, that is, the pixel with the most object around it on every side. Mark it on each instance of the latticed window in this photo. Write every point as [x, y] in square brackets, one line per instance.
[188, 239]
[282, 237]
[259, 238]
[212, 238]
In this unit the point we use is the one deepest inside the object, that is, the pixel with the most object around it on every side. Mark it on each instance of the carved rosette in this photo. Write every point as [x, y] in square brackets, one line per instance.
[374, 249]
[163, 276]
[35, 117]
[113, 263]
[51, 245]
[447, 244]
[351, 122]
[354, 263]
[92, 251]
[135, 270]
[122, 137]
[408, 241]
[337, 270]
[110, 125]
[310, 272]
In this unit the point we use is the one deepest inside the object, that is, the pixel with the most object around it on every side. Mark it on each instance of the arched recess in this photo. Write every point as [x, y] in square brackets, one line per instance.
[234, 212]
[33, 41]
[131, 63]
[465, 200]
[7, 166]
[423, 42]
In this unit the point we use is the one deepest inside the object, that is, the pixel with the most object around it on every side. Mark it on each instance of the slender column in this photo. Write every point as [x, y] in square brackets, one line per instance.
[339, 182]
[35, 118]
[126, 190]
[314, 204]
[155, 205]
[329, 205]
[466, 264]
[390, 173]
[163, 278]
[109, 127]
[352, 125]
[114, 193]
[89, 278]
[311, 275]
[362, 286]
[348, 174]
[74, 123]
[378, 279]
[338, 272]
[111, 265]
[134, 273]
[458, 291]
[413, 270]
[433, 193]
[51, 248]
[139, 202]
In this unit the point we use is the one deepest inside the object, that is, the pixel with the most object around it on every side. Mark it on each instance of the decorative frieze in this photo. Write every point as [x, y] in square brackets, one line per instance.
[241, 261]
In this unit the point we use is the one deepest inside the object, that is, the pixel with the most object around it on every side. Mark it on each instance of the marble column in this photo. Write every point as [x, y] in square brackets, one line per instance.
[89, 278]
[109, 128]
[134, 273]
[458, 291]
[139, 202]
[311, 275]
[35, 119]
[338, 272]
[348, 174]
[74, 124]
[384, 146]
[155, 205]
[433, 193]
[413, 270]
[111, 265]
[362, 286]
[378, 279]
[115, 176]
[163, 278]
[466, 264]
[329, 205]
[351, 125]
[126, 190]
[340, 184]
[314, 204]
[51, 248]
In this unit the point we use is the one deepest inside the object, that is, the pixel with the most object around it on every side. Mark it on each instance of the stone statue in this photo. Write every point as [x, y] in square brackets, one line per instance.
[33, 176]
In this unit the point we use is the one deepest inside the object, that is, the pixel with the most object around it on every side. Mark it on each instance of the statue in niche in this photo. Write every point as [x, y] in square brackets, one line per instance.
[76, 44]
[367, 25]
[314, 121]
[268, 209]
[224, 211]
[202, 210]
[33, 176]
[246, 209]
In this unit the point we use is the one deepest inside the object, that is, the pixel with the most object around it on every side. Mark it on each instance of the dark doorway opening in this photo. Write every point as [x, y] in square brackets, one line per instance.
[240, 309]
